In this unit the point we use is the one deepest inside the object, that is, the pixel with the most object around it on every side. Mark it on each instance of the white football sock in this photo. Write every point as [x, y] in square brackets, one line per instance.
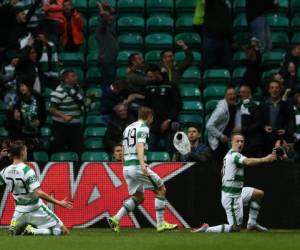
[225, 228]
[128, 207]
[160, 203]
[253, 212]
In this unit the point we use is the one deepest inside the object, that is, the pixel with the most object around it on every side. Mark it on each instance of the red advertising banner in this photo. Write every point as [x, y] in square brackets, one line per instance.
[98, 190]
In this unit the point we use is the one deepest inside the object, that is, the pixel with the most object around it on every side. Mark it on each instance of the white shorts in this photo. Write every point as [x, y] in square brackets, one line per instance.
[137, 181]
[43, 218]
[234, 205]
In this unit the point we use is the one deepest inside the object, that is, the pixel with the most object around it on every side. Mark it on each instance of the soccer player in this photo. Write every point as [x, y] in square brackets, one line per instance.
[30, 210]
[137, 174]
[234, 194]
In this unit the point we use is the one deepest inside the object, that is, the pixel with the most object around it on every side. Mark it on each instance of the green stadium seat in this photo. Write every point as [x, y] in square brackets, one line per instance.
[295, 7]
[190, 118]
[94, 156]
[296, 38]
[3, 106]
[93, 8]
[121, 72]
[190, 92]
[93, 46]
[46, 131]
[239, 56]
[131, 41]
[71, 59]
[94, 131]
[81, 5]
[192, 40]
[213, 92]
[192, 107]
[283, 7]
[184, 23]
[273, 58]
[216, 76]
[158, 157]
[47, 105]
[160, 23]
[44, 144]
[180, 56]
[64, 156]
[278, 22]
[191, 75]
[159, 41]
[296, 23]
[185, 6]
[2, 119]
[93, 75]
[280, 40]
[40, 156]
[48, 121]
[210, 106]
[3, 132]
[92, 59]
[95, 108]
[155, 6]
[131, 6]
[96, 120]
[47, 93]
[152, 57]
[93, 144]
[242, 37]
[238, 75]
[123, 56]
[96, 91]
[131, 24]
[239, 6]
[93, 23]
[240, 23]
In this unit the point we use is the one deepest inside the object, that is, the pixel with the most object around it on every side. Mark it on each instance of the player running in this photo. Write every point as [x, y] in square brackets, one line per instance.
[137, 174]
[234, 194]
[30, 211]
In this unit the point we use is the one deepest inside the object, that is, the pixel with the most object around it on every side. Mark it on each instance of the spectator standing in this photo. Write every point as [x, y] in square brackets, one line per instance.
[14, 124]
[221, 123]
[257, 21]
[249, 120]
[66, 109]
[277, 115]
[165, 101]
[107, 39]
[116, 125]
[199, 151]
[173, 69]
[72, 36]
[216, 43]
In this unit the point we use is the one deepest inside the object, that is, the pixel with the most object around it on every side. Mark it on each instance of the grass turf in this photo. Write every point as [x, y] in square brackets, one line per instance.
[145, 239]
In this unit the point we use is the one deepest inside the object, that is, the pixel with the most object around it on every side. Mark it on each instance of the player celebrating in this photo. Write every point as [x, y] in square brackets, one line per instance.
[25, 188]
[234, 195]
[137, 174]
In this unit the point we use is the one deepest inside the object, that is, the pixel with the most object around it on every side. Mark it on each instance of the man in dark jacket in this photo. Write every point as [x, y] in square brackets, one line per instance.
[173, 69]
[165, 101]
[257, 21]
[248, 118]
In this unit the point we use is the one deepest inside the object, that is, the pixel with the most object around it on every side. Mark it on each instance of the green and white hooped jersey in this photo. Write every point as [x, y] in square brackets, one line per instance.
[137, 132]
[21, 181]
[233, 173]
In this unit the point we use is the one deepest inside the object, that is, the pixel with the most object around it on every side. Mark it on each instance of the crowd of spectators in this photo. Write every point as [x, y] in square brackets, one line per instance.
[35, 32]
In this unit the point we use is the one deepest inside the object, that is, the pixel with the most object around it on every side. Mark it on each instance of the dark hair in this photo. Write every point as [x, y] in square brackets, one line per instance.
[228, 88]
[296, 96]
[131, 59]
[246, 85]
[66, 72]
[144, 113]
[273, 80]
[16, 148]
[194, 125]
[162, 54]
[235, 132]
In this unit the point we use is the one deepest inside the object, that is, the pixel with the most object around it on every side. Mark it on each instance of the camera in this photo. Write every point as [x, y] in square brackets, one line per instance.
[280, 152]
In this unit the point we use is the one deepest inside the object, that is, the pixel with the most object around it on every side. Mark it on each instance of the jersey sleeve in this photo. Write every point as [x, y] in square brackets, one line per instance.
[238, 158]
[142, 134]
[32, 180]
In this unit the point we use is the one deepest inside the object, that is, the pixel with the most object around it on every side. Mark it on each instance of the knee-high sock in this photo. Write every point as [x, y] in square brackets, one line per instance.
[225, 228]
[253, 212]
[160, 203]
[128, 206]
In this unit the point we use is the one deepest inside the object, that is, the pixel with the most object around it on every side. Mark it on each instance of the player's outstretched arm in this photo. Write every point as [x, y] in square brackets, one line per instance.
[63, 203]
[257, 161]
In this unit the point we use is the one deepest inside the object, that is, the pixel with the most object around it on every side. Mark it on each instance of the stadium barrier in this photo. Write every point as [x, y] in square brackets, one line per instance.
[193, 193]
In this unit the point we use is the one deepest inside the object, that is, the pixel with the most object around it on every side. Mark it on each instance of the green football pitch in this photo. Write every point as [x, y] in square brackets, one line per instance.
[145, 239]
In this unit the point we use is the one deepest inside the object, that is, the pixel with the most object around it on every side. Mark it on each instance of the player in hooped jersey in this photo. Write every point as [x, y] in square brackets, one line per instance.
[137, 174]
[31, 216]
[234, 194]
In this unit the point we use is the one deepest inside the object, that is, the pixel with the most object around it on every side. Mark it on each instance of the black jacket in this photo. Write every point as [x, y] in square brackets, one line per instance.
[165, 101]
[256, 8]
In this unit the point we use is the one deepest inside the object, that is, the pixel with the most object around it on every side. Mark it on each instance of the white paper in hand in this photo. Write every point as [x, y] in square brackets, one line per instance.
[182, 143]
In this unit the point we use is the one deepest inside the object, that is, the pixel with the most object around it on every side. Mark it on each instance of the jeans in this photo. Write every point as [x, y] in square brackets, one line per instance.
[260, 30]
[108, 73]
[216, 53]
